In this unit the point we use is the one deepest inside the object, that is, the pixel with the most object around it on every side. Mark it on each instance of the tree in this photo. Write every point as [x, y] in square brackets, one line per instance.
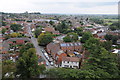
[79, 31]
[29, 45]
[73, 74]
[100, 59]
[14, 35]
[73, 36]
[86, 36]
[62, 27]
[51, 22]
[45, 38]
[114, 26]
[37, 32]
[4, 23]
[112, 38]
[3, 30]
[101, 64]
[15, 27]
[97, 20]
[67, 39]
[107, 45]
[81, 23]
[7, 37]
[8, 67]
[27, 65]
[108, 37]
[42, 68]
[25, 47]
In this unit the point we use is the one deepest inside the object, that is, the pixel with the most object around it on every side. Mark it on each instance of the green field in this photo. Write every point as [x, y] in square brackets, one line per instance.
[112, 20]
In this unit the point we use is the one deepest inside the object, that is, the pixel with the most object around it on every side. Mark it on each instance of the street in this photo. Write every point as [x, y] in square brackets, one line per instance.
[38, 48]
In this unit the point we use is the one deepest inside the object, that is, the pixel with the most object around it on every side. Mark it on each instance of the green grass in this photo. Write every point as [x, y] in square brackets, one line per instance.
[113, 20]
[109, 23]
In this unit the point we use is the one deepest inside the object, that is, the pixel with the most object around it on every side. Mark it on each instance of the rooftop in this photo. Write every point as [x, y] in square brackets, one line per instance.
[69, 44]
[71, 59]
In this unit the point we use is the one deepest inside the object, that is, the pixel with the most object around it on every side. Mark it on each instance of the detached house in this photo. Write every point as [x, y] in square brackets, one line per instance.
[51, 29]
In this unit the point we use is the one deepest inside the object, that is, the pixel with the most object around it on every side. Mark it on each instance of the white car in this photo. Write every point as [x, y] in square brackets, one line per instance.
[47, 64]
[51, 63]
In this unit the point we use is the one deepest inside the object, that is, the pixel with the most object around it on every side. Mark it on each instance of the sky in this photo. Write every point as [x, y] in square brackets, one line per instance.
[60, 6]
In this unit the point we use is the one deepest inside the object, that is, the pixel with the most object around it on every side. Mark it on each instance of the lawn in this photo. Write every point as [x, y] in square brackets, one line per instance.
[112, 20]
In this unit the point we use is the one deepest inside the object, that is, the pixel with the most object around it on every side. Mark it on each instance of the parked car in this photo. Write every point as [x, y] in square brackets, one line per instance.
[51, 63]
[47, 64]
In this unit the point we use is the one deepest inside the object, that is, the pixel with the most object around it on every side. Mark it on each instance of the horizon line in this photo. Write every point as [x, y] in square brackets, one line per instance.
[64, 13]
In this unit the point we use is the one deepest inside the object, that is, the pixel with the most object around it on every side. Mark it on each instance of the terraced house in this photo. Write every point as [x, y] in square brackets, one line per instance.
[60, 51]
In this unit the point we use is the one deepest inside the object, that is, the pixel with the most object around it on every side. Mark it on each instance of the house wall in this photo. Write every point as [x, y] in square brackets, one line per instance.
[78, 47]
[71, 48]
[70, 64]
[63, 48]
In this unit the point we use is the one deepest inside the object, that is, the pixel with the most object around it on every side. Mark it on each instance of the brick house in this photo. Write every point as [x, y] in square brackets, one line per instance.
[100, 35]
[20, 41]
[13, 41]
[60, 50]
[51, 29]
[56, 53]
[70, 62]
[71, 46]
[7, 27]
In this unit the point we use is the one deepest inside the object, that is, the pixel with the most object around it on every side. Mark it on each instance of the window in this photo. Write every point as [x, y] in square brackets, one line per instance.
[66, 65]
[75, 66]
[75, 62]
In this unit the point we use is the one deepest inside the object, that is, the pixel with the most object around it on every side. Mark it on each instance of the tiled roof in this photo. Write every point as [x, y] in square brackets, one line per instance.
[71, 59]
[54, 48]
[50, 29]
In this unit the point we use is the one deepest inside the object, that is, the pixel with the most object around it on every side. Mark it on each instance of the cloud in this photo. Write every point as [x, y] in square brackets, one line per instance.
[60, 6]
[94, 4]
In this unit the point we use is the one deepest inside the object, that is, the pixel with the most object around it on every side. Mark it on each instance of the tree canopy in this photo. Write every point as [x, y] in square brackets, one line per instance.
[3, 30]
[45, 38]
[100, 64]
[15, 27]
[79, 31]
[86, 36]
[27, 65]
[51, 22]
[71, 37]
[8, 66]
[100, 59]
[112, 38]
[114, 26]
[37, 32]
[62, 27]
[14, 35]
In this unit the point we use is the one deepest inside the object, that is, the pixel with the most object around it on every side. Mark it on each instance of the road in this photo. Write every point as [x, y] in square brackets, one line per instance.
[38, 48]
